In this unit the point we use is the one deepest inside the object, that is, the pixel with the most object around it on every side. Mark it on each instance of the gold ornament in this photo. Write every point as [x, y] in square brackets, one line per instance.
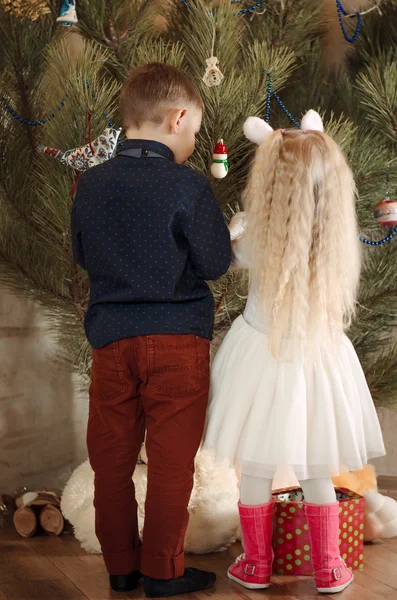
[29, 9]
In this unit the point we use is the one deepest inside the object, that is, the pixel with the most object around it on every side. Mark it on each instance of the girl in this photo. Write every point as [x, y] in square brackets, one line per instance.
[289, 397]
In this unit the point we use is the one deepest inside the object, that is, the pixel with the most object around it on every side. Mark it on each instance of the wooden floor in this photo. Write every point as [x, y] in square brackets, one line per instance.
[45, 568]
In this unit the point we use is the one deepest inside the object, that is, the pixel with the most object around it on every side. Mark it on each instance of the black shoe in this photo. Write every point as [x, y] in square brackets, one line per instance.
[125, 583]
[193, 580]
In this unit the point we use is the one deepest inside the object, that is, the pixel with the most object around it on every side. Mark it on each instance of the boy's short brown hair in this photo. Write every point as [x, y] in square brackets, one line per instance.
[151, 89]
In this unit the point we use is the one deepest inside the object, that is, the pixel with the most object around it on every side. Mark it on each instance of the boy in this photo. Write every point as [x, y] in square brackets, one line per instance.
[149, 233]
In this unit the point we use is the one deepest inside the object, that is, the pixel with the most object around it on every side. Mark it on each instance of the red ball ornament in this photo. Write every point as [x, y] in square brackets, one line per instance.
[385, 213]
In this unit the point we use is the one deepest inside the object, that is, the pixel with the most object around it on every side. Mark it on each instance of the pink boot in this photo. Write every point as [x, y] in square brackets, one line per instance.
[254, 568]
[330, 572]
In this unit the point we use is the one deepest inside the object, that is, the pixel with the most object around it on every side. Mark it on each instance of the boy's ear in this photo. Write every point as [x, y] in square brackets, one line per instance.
[176, 117]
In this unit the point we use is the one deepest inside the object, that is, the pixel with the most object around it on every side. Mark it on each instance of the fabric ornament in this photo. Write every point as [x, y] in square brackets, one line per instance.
[85, 157]
[67, 14]
[212, 76]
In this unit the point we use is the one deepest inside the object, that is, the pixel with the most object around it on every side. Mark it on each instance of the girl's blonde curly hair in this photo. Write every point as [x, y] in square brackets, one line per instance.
[302, 235]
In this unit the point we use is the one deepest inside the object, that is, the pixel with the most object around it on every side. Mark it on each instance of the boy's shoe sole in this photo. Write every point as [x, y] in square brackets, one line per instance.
[193, 581]
[125, 583]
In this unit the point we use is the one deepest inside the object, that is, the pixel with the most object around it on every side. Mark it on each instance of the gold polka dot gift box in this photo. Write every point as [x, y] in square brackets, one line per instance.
[291, 540]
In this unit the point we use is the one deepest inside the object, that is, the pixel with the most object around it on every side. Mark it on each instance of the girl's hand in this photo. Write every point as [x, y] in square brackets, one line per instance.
[237, 225]
[237, 229]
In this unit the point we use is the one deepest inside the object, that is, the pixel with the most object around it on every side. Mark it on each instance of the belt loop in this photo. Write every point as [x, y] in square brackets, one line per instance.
[134, 351]
[118, 359]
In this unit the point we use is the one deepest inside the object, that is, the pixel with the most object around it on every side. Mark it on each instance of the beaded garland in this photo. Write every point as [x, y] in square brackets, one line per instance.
[343, 13]
[61, 104]
[270, 93]
[379, 242]
[43, 121]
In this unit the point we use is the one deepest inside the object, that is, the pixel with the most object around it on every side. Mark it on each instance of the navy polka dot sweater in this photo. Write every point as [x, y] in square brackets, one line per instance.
[149, 233]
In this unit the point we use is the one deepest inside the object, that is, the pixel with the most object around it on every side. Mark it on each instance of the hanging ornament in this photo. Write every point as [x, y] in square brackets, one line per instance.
[212, 76]
[385, 211]
[85, 157]
[220, 165]
[93, 153]
[67, 14]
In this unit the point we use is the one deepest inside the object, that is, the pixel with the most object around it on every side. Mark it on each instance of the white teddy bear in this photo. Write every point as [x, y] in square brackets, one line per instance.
[213, 523]
[380, 516]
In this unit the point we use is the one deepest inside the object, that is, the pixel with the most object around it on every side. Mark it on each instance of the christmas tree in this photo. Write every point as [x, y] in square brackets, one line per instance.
[59, 88]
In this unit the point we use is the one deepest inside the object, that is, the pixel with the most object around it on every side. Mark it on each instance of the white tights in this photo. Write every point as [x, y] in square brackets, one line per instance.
[256, 490]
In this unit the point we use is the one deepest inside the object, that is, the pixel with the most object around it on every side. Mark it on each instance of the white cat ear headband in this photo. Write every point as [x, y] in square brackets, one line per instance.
[257, 130]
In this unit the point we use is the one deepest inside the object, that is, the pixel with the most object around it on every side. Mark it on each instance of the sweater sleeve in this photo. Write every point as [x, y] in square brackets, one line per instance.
[208, 237]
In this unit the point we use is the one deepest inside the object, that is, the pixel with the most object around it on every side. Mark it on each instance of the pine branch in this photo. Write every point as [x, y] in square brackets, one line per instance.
[113, 40]
[18, 72]
[376, 89]
[37, 69]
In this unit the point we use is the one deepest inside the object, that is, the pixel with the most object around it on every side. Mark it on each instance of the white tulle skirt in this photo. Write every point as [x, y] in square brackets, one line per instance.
[289, 420]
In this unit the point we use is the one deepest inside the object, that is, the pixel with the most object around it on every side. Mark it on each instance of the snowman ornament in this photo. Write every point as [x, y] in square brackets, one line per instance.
[220, 165]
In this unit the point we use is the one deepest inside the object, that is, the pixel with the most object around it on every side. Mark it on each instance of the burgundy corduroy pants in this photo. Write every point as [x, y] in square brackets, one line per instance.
[159, 383]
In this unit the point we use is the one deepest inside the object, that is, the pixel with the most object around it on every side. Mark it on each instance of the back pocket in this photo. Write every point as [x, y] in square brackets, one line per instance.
[174, 366]
[107, 379]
